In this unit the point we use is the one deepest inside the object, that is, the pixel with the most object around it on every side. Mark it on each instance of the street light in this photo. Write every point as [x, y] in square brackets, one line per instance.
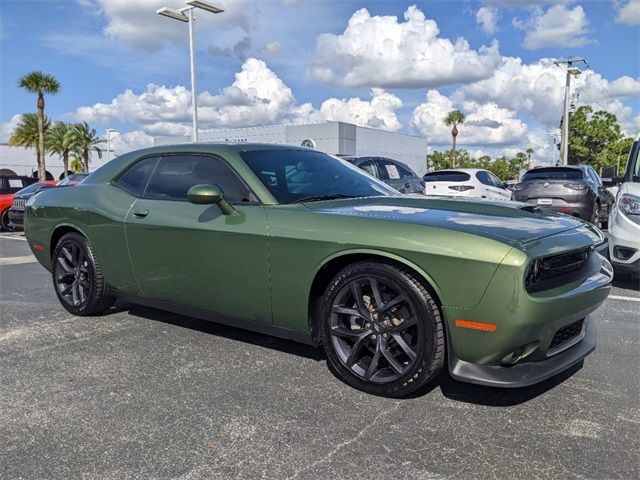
[109, 132]
[180, 15]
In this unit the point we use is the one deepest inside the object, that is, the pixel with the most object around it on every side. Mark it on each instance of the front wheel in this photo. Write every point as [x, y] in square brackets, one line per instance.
[381, 329]
[77, 277]
[4, 221]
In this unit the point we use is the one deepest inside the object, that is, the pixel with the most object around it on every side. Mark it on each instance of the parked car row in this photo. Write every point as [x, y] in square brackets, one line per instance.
[17, 190]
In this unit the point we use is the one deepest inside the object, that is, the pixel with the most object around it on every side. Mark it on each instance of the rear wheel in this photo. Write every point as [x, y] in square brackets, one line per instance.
[77, 277]
[381, 329]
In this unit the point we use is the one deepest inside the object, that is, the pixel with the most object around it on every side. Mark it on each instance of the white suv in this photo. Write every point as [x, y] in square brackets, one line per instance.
[466, 182]
[624, 219]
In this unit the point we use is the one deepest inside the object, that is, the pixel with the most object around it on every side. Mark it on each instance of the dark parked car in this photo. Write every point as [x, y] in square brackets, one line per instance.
[16, 212]
[9, 185]
[574, 190]
[392, 172]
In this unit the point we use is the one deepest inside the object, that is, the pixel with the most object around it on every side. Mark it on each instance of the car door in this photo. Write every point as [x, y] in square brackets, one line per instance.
[488, 189]
[499, 189]
[194, 255]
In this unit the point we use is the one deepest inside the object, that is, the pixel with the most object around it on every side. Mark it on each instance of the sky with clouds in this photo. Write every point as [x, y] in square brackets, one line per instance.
[395, 65]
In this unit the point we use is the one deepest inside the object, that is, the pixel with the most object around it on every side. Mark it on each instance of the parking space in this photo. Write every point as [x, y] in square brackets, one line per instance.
[148, 394]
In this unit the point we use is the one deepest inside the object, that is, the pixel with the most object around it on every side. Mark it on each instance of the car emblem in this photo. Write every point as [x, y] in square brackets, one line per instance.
[434, 187]
[545, 184]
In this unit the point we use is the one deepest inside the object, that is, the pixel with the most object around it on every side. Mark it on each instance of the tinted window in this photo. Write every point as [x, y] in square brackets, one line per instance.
[553, 173]
[484, 178]
[176, 174]
[446, 176]
[369, 166]
[135, 179]
[15, 184]
[496, 181]
[405, 171]
[293, 175]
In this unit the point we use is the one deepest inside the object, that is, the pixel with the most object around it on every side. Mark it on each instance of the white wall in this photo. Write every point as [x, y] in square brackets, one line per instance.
[24, 161]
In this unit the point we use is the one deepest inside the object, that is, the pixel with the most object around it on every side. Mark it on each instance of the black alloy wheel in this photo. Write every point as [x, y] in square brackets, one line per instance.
[382, 330]
[77, 277]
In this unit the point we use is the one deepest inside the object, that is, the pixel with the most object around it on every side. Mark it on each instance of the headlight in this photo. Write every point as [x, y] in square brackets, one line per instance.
[518, 186]
[630, 206]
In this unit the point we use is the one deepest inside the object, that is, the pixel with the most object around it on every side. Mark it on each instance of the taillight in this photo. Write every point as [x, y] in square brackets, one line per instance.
[461, 188]
[575, 186]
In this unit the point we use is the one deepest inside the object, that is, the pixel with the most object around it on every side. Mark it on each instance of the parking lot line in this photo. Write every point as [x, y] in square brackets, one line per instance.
[620, 297]
[11, 237]
[17, 260]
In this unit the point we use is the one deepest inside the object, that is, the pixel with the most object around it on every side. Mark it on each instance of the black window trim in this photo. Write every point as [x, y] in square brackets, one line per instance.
[159, 156]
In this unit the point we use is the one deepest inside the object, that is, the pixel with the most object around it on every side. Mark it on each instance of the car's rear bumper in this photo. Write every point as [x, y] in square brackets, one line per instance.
[581, 209]
[529, 373]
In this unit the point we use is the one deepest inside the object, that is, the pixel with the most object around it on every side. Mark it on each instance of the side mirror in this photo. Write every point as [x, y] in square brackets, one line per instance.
[208, 195]
[610, 177]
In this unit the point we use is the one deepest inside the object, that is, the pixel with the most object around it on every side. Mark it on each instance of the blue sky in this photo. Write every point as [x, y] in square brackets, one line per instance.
[388, 64]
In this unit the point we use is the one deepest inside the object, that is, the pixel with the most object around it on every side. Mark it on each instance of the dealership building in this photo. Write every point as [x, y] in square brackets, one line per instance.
[23, 161]
[336, 138]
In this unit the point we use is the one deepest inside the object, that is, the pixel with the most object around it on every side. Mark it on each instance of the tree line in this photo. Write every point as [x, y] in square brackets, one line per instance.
[595, 138]
[73, 142]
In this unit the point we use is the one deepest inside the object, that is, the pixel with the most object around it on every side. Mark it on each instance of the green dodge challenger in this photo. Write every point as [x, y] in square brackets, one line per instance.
[296, 243]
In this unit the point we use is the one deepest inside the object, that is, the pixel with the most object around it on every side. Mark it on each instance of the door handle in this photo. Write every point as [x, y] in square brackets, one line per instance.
[141, 213]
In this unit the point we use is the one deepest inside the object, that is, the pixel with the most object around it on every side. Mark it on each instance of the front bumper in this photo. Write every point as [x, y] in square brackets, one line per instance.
[16, 218]
[525, 374]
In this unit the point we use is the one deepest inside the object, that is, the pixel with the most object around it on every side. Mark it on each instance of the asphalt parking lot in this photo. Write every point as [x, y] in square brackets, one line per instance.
[141, 393]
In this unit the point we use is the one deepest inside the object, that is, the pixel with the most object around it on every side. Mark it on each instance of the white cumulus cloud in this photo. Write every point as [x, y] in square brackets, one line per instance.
[558, 26]
[7, 128]
[256, 97]
[382, 51]
[628, 13]
[485, 124]
[487, 18]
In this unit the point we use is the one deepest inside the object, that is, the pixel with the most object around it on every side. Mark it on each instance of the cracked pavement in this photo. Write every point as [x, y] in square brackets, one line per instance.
[142, 393]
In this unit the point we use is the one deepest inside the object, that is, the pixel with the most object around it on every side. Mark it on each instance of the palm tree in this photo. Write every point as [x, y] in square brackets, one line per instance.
[40, 83]
[454, 118]
[85, 139]
[27, 134]
[60, 141]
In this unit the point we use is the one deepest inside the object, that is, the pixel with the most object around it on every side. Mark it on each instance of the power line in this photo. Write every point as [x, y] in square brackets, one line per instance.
[606, 91]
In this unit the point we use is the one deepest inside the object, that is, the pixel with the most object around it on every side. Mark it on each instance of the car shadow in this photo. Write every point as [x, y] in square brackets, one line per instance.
[626, 281]
[450, 388]
[212, 328]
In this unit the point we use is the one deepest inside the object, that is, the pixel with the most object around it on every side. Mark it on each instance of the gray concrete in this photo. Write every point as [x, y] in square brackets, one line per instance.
[141, 394]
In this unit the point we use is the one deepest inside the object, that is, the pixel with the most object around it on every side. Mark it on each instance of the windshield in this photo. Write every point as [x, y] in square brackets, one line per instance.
[33, 188]
[299, 175]
[553, 173]
[446, 176]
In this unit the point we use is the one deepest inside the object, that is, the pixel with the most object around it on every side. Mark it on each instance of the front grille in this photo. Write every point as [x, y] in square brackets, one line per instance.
[19, 202]
[547, 268]
[566, 333]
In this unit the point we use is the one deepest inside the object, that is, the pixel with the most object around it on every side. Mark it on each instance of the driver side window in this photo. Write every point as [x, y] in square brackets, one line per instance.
[176, 174]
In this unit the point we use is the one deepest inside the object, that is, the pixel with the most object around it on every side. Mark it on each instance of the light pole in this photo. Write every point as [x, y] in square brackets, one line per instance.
[109, 132]
[571, 71]
[188, 18]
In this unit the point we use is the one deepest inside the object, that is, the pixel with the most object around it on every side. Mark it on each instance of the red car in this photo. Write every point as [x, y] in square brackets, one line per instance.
[9, 185]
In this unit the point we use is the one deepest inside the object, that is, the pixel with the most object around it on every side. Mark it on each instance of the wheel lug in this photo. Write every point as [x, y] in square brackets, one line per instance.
[367, 325]
[385, 336]
[373, 337]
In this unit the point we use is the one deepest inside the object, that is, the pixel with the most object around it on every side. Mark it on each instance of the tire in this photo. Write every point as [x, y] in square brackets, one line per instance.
[4, 221]
[390, 351]
[77, 277]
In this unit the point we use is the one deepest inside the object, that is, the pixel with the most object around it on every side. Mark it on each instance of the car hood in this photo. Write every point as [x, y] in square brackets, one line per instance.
[508, 222]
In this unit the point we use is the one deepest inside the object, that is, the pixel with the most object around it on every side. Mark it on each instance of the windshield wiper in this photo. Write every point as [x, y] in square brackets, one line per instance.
[317, 198]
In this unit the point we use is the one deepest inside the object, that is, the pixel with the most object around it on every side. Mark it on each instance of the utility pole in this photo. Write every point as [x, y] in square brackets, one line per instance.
[571, 71]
